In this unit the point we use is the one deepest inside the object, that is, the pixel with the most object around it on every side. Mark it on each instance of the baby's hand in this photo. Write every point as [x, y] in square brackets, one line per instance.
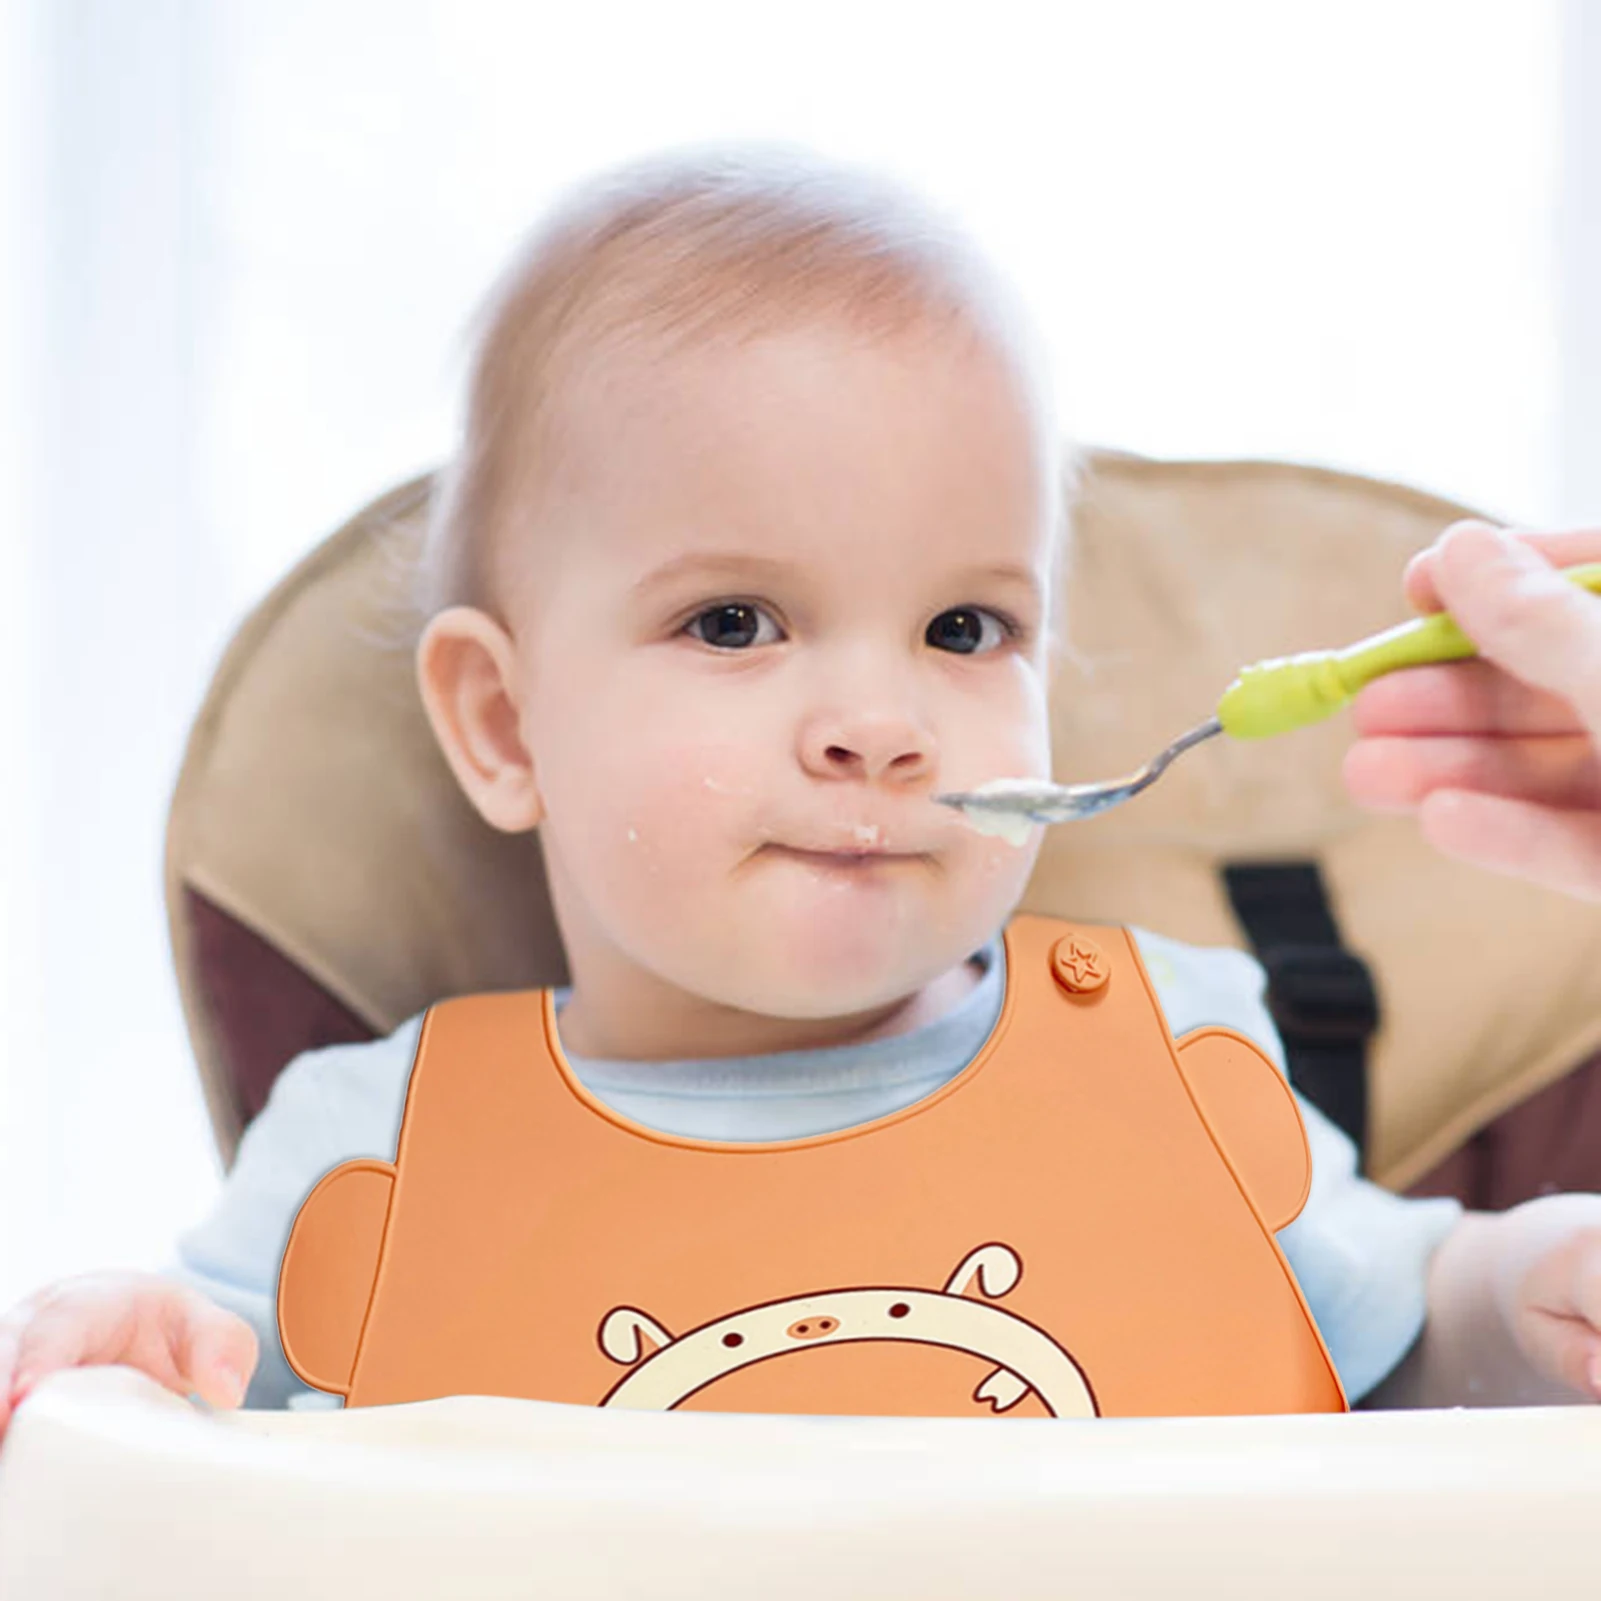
[1551, 1288]
[138, 1320]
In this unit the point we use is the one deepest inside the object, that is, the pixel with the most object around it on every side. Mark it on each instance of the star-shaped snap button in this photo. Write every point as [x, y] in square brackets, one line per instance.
[1079, 965]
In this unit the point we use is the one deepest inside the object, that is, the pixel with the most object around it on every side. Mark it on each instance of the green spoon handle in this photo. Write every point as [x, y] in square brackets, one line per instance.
[1274, 697]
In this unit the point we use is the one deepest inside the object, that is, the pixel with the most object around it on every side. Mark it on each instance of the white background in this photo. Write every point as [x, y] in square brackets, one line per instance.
[239, 243]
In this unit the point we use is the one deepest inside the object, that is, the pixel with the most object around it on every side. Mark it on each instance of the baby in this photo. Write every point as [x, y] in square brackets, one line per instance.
[749, 550]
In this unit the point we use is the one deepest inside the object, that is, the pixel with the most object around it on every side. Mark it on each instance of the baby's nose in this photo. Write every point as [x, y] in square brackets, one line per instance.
[812, 1328]
[867, 747]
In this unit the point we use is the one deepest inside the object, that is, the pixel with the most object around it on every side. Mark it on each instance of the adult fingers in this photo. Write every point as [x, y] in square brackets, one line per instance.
[1562, 548]
[1559, 849]
[1469, 697]
[1396, 774]
[1523, 615]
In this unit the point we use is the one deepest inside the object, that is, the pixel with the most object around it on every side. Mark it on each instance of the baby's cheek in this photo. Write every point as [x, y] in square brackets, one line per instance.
[1022, 731]
[1007, 739]
[668, 828]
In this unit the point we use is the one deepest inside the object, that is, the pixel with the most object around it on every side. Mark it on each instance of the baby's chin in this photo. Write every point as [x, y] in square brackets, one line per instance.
[814, 973]
[789, 940]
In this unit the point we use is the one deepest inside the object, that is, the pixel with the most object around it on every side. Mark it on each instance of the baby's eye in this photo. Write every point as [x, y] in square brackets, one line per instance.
[735, 626]
[967, 631]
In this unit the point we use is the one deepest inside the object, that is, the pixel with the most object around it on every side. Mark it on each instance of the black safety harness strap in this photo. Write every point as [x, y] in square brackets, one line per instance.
[1321, 995]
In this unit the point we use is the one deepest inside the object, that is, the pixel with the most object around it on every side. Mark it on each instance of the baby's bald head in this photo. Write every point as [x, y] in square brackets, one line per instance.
[684, 252]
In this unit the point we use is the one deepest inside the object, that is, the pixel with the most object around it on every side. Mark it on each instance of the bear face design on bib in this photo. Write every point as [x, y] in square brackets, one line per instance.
[1080, 1223]
[668, 1371]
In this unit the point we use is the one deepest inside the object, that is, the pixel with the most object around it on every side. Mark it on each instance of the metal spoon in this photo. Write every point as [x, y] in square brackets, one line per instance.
[1271, 697]
[1038, 802]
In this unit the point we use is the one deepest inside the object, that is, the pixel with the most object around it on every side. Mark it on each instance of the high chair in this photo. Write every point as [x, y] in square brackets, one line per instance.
[326, 880]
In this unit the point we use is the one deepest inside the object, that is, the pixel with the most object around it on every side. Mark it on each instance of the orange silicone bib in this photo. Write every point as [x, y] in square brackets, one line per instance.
[1080, 1223]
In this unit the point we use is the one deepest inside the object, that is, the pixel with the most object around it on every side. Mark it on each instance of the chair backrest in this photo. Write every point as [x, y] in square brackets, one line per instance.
[326, 879]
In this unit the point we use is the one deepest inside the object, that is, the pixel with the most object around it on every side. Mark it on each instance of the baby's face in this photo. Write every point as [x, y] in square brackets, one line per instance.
[787, 592]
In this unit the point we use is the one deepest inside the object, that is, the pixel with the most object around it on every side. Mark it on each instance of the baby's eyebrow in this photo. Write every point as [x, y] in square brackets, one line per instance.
[1005, 572]
[714, 564]
[736, 566]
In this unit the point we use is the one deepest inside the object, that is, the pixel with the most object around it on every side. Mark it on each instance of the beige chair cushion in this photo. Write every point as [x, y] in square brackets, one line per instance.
[314, 807]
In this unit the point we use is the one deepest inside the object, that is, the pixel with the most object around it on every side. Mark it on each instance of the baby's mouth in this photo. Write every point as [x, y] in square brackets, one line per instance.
[852, 859]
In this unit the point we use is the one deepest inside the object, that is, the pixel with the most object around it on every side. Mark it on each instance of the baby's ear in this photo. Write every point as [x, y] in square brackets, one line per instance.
[466, 674]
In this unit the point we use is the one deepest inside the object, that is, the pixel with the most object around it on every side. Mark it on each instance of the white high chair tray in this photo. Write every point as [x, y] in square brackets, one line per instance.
[109, 1487]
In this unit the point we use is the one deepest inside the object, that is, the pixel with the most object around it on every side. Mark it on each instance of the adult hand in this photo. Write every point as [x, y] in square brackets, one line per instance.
[1500, 757]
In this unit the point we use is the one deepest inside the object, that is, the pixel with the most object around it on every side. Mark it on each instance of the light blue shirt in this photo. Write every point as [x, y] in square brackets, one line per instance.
[1359, 1252]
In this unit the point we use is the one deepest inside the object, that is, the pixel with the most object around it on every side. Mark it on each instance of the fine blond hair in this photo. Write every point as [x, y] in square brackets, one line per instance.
[695, 246]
